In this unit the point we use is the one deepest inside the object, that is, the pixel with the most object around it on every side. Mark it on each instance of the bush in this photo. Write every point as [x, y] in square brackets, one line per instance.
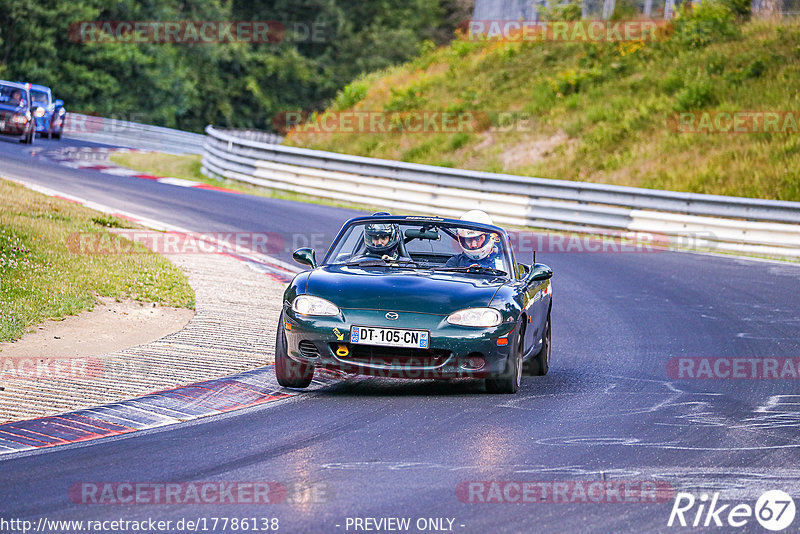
[570, 81]
[739, 8]
[569, 10]
[755, 69]
[460, 139]
[697, 94]
[625, 10]
[698, 26]
[351, 95]
[672, 82]
[405, 99]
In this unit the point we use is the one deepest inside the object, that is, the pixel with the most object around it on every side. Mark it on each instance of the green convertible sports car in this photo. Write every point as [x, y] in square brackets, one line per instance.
[416, 297]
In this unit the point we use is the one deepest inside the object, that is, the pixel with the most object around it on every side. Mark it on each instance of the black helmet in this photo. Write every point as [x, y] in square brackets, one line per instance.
[373, 230]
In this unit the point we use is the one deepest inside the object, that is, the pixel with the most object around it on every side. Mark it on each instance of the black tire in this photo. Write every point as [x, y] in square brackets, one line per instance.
[540, 364]
[55, 135]
[290, 374]
[509, 381]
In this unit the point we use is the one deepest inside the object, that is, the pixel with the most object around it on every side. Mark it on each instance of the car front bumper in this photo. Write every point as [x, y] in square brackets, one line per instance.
[10, 127]
[49, 123]
[454, 351]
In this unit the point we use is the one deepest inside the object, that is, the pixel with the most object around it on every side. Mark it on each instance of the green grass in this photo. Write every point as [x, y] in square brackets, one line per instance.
[40, 278]
[598, 112]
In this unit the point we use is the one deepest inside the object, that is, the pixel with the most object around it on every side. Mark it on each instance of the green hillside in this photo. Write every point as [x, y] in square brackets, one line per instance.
[598, 112]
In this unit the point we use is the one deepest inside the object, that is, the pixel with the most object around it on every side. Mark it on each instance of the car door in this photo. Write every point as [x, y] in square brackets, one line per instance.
[536, 282]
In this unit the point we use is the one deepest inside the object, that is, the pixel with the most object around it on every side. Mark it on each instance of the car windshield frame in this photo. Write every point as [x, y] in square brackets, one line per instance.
[446, 227]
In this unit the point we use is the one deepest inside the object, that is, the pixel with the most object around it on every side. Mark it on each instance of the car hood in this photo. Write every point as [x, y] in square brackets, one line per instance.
[14, 109]
[401, 289]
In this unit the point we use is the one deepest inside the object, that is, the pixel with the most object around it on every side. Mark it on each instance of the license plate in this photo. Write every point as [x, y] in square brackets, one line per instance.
[389, 337]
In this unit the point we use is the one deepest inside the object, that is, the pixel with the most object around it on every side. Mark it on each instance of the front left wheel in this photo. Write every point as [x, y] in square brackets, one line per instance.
[290, 374]
[540, 364]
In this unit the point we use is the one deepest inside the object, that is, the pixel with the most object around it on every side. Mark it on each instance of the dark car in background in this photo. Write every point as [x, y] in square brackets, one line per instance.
[16, 117]
[48, 114]
[415, 315]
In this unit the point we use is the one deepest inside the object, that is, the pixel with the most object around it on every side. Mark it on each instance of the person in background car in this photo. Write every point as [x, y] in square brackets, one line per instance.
[16, 98]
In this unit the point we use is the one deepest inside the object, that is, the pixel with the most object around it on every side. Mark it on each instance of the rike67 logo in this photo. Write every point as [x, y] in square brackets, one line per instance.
[774, 510]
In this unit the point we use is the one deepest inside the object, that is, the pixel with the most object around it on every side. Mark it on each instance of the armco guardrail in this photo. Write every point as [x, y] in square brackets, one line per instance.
[131, 134]
[735, 224]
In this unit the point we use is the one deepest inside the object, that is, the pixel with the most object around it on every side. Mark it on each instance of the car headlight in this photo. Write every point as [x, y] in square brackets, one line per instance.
[39, 112]
[308, 305]
[480, 317]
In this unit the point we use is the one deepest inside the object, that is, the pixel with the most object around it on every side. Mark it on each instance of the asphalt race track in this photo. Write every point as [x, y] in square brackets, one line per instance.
[608, 411]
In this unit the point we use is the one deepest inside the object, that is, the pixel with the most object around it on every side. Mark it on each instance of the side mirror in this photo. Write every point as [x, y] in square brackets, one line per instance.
[540, 272]
[59, 103]
[305, 256]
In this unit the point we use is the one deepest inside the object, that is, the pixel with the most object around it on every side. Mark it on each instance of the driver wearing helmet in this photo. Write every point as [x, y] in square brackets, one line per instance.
[382, 241]
[479, 248]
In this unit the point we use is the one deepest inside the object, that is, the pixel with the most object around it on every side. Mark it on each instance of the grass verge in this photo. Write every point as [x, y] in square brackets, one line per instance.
[40, 278]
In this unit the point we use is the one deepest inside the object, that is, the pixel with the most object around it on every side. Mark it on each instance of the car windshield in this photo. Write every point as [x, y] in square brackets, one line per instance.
[423, 245]
[11, 96]
[40, 97]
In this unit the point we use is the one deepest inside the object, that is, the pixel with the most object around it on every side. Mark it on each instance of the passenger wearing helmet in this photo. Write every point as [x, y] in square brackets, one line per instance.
[382, 241]
[479, 248]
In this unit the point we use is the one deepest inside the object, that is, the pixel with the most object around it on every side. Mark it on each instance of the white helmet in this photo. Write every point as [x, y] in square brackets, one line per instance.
[475, 248]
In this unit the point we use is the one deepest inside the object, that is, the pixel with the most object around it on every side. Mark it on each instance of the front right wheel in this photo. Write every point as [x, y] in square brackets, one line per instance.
[290, 374]
[511, 378]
